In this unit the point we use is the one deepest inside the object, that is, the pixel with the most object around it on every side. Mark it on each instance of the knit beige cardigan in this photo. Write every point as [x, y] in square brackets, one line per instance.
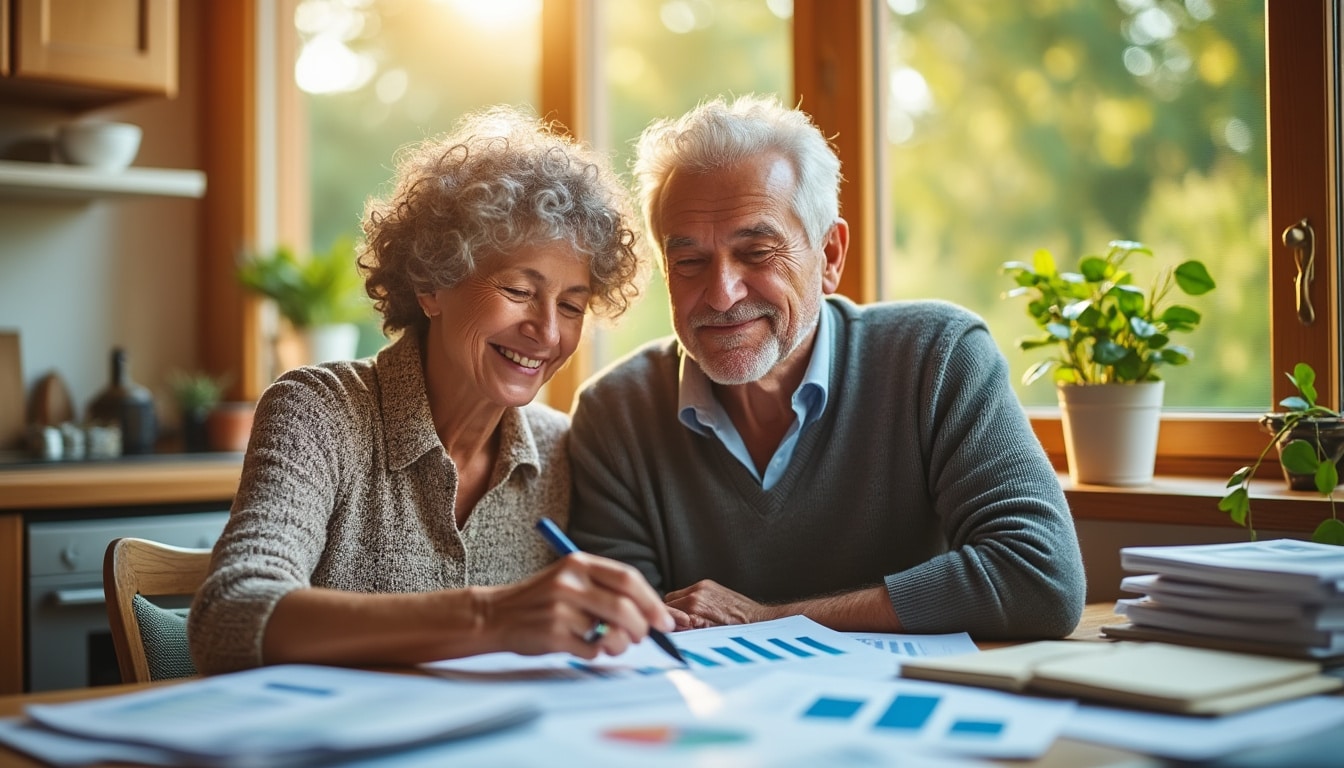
[345, 485]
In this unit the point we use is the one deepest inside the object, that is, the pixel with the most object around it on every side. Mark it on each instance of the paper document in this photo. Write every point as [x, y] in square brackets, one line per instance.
[1291, 632]
[284, 715]
[906, 713]
[1204, 738]
[1273, 565]
[718, 658]
[1226, 603]
[918, 646]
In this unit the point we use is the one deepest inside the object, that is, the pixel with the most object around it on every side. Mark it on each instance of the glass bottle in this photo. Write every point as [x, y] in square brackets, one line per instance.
[127, 405]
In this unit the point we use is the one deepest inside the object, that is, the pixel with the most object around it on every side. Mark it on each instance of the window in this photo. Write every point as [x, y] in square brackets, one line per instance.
[658, 59]
[1071, 126]
[835, 50]
[375, 76]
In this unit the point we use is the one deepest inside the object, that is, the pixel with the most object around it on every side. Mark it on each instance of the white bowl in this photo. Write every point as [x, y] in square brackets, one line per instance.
[100, 144]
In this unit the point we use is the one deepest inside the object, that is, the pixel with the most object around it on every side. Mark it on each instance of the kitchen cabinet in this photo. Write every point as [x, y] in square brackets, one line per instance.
[81, 53]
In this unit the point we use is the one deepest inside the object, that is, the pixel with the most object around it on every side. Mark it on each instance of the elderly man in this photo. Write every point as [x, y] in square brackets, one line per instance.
[790, 452]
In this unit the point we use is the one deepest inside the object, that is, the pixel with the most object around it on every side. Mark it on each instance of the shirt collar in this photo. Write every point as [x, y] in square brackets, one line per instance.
[408, 424]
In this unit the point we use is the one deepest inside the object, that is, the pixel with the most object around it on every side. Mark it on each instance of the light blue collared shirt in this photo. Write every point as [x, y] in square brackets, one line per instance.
[702, 413]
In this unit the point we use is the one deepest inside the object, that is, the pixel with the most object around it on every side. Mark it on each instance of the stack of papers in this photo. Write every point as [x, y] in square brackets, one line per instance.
[282, 715]
[1280, 597]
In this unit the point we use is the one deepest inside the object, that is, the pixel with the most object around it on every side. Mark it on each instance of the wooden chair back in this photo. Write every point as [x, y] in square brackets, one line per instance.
[134, 566]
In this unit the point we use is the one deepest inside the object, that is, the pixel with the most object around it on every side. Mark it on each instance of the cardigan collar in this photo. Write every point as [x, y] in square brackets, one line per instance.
[409, 424]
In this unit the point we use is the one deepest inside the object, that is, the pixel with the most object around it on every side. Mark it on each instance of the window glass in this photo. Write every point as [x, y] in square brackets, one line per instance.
[659, 58]
[379, 75]
[376, 76]
[1064, 125]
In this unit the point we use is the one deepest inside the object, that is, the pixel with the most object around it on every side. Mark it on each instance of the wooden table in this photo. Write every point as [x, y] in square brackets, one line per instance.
[1064, 754]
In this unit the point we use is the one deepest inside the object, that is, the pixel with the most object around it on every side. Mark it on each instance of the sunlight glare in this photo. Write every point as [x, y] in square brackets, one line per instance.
[497, 14]
[326, 65]
[700, 697]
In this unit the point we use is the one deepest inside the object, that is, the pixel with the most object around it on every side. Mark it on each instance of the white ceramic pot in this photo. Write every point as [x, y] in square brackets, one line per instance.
[332, 342]
[1110, 431]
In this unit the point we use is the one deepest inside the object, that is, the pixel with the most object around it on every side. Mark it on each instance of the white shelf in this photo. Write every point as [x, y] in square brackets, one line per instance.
[46, 181]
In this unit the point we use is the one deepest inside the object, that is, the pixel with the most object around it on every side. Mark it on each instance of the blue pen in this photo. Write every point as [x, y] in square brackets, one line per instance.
[563, 546]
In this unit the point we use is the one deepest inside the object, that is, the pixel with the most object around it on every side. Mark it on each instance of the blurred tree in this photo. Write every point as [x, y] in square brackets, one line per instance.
[1068, 124]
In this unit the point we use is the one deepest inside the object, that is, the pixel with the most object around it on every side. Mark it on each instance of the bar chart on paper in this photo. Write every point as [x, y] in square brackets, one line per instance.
[645, 672]
[917, 646]
[740, 647]
[983, 723]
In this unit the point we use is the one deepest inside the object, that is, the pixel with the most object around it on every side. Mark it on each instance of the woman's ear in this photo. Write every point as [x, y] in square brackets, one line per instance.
[429, 303]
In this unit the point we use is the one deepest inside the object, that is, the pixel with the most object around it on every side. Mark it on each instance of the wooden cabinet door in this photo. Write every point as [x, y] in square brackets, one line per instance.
[126, 45]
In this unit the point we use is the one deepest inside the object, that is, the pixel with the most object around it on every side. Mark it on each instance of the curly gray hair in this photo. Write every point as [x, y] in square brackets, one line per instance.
[502, 179]
[719, 133]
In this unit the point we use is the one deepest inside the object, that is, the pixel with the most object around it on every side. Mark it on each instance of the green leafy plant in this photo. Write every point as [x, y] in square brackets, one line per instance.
[196, 391]
[322, 289]
[1300, 456]
[1103, 327]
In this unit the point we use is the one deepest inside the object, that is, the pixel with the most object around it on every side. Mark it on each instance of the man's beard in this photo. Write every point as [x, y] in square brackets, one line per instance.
[746, 362]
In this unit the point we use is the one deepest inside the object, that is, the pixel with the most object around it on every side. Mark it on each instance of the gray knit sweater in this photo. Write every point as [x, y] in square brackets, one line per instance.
[346, 485]
[922, 474]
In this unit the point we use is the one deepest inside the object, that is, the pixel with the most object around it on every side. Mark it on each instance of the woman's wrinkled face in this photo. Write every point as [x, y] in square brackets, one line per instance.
[508, 327]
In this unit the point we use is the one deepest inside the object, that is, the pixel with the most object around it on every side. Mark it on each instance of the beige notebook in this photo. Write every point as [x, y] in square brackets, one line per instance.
[1007, 669]
[1170, 678]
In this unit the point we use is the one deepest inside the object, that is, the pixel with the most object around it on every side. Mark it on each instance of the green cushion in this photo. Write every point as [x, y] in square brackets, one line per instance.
[164, 634]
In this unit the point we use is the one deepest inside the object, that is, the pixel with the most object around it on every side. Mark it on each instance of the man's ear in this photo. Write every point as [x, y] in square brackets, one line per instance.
[833, 249]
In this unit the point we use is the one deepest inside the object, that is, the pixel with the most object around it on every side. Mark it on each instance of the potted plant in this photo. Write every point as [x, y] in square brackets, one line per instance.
[1110, 340]
[196, 394]
[1310, 439]
[321, 296]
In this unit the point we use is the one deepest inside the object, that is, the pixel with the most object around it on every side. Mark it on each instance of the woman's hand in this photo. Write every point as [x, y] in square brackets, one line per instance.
[553, 609]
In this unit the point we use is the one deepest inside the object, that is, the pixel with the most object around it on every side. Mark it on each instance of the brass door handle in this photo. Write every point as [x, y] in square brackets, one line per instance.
[1302, 239]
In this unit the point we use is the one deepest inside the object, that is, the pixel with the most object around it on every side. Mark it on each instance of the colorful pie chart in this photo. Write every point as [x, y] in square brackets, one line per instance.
[676, 736]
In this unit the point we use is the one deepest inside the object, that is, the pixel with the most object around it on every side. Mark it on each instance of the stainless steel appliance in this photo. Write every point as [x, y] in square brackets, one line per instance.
[69, 643]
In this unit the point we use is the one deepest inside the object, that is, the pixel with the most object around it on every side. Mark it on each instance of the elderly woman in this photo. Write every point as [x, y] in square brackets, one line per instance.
[387, 505]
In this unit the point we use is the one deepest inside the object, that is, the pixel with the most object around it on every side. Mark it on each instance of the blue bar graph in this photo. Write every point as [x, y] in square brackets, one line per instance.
[696, 658]
[732, 655]
[911, 649]
[761, 651]
[795, 650]
[589, 669]
[828, 707]
[908, 712]
[977, 728]
[820, 646]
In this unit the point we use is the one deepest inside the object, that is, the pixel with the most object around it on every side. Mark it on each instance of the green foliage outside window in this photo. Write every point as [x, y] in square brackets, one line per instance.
[1053, 124]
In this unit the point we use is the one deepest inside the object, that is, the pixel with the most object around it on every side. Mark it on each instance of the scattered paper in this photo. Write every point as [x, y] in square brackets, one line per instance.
[918, 646]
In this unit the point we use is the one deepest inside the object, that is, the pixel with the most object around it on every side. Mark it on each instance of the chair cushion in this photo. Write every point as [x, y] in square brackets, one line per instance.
[163, 631]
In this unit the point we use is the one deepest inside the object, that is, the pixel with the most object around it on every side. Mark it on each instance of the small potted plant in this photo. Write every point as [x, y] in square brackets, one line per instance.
[1310, 439]
[321, 296]
[196, 394]
[1110, 340]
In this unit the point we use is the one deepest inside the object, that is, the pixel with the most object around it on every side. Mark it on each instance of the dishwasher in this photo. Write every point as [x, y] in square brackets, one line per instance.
[69, 644]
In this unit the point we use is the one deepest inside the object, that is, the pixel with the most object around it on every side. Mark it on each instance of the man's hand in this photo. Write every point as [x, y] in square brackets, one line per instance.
[710, 604]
